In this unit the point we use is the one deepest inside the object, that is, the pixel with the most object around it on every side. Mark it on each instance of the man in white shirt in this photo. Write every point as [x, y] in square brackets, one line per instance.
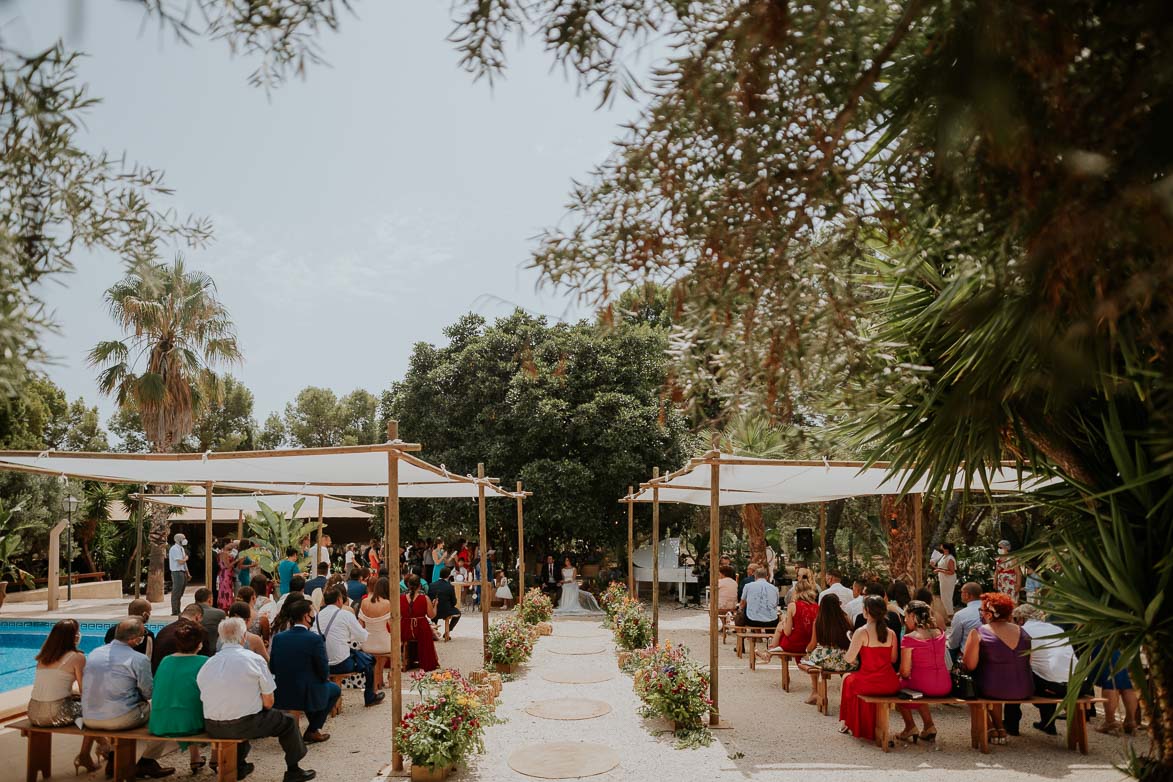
[338, 628]
[854, 607]
[759, 601]
[236, 689]
[1052, 659]
[966, 619]
[834, 585]
[320, 553]
[177, 563]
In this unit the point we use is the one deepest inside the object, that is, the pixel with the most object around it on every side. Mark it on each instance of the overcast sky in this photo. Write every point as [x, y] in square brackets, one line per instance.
[356, 212]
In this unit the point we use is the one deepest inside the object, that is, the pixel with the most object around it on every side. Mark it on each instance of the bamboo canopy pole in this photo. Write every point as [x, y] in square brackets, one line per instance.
[714, 551]
[208, 535]
[138, 546]
[520, 542]
[240, 526]
[318, 544]
[630, 542]
[391, 541]
[655, 556]
[483, 529]
[823, 543]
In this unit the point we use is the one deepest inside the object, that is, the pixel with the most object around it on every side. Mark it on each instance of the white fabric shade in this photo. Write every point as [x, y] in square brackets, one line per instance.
[250, 504]
[354, 471]
[766, 482]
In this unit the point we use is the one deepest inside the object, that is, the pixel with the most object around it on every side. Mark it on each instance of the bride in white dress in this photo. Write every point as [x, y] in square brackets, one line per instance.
[575, 600]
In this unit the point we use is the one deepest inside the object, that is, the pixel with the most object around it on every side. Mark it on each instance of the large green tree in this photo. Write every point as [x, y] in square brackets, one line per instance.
[178, 334]
[318, 418]
[573, 410]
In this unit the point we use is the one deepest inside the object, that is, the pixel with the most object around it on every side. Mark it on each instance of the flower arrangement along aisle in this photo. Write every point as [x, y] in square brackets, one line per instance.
[445, 727]
[632, 626]
[611, 600]
[675, 687]
[534, 607]
[510, 643]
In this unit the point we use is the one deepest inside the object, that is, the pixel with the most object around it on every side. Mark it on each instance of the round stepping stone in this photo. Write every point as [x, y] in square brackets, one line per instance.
[576, 650]
[563, 760]
[568, 709]
[578, 677]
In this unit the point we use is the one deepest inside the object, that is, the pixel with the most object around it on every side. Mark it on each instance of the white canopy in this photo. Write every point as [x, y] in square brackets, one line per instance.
[344, 471]
[250, 504]
[774, 481]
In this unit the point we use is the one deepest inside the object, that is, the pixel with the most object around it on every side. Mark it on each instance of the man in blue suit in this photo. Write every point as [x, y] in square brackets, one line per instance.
[299, 664]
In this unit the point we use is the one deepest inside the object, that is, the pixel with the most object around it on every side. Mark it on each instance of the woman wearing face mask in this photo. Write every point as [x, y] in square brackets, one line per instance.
[1007, 573]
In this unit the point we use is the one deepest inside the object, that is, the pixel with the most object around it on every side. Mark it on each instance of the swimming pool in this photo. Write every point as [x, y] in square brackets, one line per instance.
[20, 642]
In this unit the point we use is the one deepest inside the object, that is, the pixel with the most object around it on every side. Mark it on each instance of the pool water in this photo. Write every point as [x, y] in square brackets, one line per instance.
[20, 642]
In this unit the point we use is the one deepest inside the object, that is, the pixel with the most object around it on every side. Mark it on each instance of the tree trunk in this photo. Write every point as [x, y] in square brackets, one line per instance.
[945, 523]
[755, 530]
[1158, 702]
[835, 510]
[159, 531]
[902, 553]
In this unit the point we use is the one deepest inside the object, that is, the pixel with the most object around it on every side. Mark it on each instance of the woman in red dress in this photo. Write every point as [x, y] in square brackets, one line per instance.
[874, 645]
[415, 611]
[794, 631]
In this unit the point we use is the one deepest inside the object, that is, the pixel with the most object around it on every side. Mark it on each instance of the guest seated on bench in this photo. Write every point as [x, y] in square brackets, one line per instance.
[759, 601]
[142, 609]
[237, 692]
[793, 633]
[302, 671]
[874, 645]
[253, 642]
[727, 590]
[176, 708]
[999, 652]
[830, 640]
[1052, 660]
[444, 594]
[374, 614]
[341, 631]
[59, 666]
[922, 668]
[117, 693]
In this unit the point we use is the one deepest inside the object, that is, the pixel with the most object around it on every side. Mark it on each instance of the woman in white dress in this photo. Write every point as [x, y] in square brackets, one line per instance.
[946, 569]
[503, 593]
[575, 600]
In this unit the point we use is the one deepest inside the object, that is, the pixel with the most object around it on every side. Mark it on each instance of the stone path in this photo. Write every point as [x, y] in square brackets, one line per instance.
[582, 649]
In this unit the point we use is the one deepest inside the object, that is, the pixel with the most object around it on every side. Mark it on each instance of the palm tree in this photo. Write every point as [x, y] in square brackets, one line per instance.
[178, 331]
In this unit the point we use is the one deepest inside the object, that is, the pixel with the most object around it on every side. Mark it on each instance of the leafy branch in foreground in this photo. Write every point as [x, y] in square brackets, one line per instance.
[58, 197]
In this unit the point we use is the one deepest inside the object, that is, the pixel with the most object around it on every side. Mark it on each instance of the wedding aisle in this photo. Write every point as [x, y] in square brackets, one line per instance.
[574, 673]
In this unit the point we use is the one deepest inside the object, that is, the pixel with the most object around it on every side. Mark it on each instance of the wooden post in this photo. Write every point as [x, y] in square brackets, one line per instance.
[918, 521]
[630, 541]
[54, 585]
[485, 597]
[391, 538]
[240, 526]
[655, 556]
[318, 545]
[208, 537]
[714, 551]
[823, 543]
[138, 545]
[520, 542]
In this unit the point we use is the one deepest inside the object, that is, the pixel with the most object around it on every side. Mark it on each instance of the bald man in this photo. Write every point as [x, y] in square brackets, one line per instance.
[142, 609]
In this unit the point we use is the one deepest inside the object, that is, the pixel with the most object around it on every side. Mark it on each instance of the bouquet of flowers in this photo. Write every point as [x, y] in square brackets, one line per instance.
[534, 607]
[673, 686]
[612, 598]
[633, 627]
[510, 641]
[447, 725]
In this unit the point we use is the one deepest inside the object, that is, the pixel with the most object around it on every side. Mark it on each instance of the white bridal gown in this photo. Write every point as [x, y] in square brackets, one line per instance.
[575, 600]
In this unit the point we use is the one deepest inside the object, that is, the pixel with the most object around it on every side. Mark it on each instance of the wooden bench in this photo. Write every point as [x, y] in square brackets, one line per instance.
[823, 677]
[77, 578]
[979, 717]
[786, 657]
[753, 635]
[125, 745]
[339, 679]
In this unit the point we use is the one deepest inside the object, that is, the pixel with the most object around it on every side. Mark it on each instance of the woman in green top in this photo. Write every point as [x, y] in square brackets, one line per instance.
[176, 708]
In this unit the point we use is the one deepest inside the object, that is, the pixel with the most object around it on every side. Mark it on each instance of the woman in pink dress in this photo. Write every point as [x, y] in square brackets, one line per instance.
[922, 668]
[874, 645]
[226, 582]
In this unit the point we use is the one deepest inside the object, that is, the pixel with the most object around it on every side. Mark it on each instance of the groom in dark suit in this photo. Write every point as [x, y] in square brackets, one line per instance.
[551, 579]
[302, 670]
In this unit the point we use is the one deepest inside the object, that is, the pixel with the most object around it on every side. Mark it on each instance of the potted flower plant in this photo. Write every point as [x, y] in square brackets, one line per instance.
[535, 607]
[510, 643]
[674, 687]
[445, 727]
[632, 626]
